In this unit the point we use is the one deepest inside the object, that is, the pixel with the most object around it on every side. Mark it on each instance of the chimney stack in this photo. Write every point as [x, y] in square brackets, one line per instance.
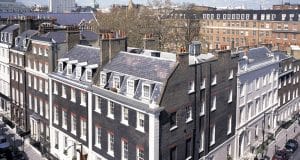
[72, 36]
[111, 43]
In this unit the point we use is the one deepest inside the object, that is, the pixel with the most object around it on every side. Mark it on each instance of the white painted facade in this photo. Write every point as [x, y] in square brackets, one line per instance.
[257, 92]
[4, 78]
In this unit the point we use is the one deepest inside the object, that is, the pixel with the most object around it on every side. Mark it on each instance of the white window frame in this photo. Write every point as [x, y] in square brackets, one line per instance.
[213, 135]
[83, 128]
[143, 91]
[214, 80]
[125, 115]
[82, 98]
[89, 75]
[214, 104]
[110, 109]
[63, 91]
[111, 143]
[124, 149]
[98, 132]
[229, 125]
[69, 69]
[116, 82]
[188, 114]
[130, 89]
[140, 123]
[73, 95]
[73, 126]
[64, 121]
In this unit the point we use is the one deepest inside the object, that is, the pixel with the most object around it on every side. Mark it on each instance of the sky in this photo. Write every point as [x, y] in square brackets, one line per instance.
[249, 4]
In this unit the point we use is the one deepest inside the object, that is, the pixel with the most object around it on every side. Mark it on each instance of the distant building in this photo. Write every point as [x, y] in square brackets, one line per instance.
[225, 29]
[61, 6]
[12, 6]
[286, 6]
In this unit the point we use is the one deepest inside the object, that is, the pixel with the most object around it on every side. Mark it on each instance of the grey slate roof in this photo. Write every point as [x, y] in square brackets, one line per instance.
[82, 53]
[89, 35]
[257, 55]
[62, 18]
[26, 34]
[281, 55]
[58, 37]
[149, 68]
[2, 26]
[11, 28]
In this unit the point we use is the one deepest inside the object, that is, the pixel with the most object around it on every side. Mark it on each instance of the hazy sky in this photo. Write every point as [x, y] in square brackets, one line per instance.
[215, 3]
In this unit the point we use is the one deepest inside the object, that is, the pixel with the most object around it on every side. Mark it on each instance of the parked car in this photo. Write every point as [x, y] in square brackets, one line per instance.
[280, 155]
[4, 144]
[291, 145]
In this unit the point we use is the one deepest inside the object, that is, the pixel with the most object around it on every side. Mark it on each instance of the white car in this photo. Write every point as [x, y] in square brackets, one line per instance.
[4, 144]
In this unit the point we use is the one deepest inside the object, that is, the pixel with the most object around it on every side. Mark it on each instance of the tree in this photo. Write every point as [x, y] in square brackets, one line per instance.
[171, 32]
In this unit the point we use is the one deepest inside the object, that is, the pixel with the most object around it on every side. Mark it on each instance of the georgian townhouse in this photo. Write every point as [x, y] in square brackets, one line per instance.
[71, 98]
[7, 36]
[257, 91]
[46, 48]
[126, 105]
[288, 88]
[18, 80]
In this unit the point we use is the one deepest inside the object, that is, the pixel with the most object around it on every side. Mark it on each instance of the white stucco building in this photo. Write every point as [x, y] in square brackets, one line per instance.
[257, 90]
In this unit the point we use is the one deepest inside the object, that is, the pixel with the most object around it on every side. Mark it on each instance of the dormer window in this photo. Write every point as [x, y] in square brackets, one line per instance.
[130, 87]
[69, 69]
[60, 67]
[116, 82]
[146, 91]
[17, 41]
[89, 75]
[103, 79]
[78, 72]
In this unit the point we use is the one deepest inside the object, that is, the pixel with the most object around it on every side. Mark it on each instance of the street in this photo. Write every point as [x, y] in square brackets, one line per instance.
[15, 140]
[296, 155]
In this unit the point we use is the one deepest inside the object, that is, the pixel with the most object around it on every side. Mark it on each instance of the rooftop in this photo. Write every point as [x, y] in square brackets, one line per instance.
[141, 66]
[62, 18]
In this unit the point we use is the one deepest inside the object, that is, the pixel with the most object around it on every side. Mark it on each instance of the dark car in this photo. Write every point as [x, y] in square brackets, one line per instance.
[280, 155]
[291, 145]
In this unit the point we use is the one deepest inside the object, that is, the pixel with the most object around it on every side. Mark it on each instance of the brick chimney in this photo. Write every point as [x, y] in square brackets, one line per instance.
[72, 36]
[111, 44]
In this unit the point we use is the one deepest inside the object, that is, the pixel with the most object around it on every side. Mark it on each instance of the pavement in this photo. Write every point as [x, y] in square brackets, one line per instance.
[31, 153]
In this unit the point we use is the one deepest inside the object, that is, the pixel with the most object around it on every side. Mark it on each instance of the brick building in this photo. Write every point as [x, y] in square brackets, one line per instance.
[226, 29]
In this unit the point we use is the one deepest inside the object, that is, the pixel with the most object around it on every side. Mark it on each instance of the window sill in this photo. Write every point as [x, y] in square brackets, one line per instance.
[73, 132]
[65, 127]
[212, 143]
[189, 158]
[173, 128]
[229, 101]
[213, 109]
[83, 138]
[98, 146]
[83, 104]
[189, 120]
[125, 122]
[110, 116]
[98, 111]
[73, 100]
[201, 114]
[228, 133]
[191, 91]
[141, 129]
[111, 153]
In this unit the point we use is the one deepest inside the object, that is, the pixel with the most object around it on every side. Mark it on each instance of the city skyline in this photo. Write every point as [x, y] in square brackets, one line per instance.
[256, 4]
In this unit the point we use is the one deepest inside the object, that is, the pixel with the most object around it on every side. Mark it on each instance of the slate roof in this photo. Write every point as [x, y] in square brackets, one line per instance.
[22, 36]
[89, 35]
[281, 55]
[149, 68]
[2, 26]
[82, 53]
[256, 55]
[58, 37]
[11, 28]
[62, 18]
